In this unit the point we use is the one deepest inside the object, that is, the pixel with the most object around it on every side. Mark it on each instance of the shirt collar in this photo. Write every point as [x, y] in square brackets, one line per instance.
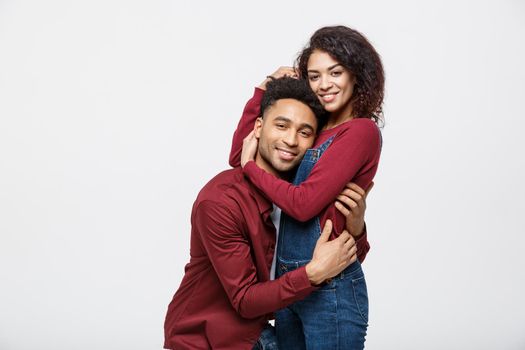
[264, 205]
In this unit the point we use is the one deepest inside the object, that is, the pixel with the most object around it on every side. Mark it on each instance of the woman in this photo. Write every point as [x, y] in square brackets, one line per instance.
[346, 73]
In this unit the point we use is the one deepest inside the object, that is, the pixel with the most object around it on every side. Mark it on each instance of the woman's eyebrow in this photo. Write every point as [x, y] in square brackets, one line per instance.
[329, 68]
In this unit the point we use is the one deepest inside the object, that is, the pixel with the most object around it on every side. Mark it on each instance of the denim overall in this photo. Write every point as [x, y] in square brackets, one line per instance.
[267, 340]
[334, 316]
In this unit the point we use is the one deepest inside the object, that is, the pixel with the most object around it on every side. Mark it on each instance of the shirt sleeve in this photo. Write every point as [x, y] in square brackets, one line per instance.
[230, 254]
[245, 126]
[355, 150]
[363, 247]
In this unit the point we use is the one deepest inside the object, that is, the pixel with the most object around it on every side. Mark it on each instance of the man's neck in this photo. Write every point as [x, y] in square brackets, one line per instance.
[261, 163]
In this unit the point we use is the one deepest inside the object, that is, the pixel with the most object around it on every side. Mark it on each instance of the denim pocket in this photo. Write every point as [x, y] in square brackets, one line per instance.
[361, 297]
[284, 266]
[267, 340]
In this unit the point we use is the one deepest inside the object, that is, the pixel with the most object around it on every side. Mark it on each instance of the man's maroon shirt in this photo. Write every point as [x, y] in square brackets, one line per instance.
[226, 296]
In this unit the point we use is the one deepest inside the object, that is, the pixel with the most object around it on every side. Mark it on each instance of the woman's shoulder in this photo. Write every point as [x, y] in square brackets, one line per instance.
[361, 126]
[365, 123]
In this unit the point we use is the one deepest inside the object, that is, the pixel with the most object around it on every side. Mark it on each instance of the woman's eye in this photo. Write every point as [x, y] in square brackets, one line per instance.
[313, 77]
[336, 73]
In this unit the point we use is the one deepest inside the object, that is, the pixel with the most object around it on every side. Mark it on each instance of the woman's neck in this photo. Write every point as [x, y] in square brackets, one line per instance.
[339, 117]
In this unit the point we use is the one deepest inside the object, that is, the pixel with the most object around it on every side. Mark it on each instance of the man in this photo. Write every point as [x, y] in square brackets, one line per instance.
[227, 296]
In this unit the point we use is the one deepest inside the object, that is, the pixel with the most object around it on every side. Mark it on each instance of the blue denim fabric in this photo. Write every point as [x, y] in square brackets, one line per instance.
[267, 340]
[333, 317]
[336, 315]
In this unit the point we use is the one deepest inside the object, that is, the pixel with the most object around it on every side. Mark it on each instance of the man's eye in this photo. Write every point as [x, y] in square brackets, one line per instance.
[305, 133]
[280, 126]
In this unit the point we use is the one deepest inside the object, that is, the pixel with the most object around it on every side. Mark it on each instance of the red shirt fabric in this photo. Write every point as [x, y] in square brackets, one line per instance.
[226, 295]
[353, 156]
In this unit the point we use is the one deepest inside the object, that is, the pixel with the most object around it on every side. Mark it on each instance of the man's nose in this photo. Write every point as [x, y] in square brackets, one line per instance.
[290, 138]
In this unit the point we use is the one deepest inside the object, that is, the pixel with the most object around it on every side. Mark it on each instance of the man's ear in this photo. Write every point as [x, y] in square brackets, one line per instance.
[257, 127]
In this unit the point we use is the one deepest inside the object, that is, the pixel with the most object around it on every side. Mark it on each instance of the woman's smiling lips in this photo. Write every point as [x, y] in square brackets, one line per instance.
[327, 98]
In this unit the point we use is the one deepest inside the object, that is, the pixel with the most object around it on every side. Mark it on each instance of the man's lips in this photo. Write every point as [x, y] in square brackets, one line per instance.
[285, 154]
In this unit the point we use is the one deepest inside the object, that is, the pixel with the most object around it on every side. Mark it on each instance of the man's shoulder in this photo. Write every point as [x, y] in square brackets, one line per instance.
[227, 175]
[225, 187]
[227, 195]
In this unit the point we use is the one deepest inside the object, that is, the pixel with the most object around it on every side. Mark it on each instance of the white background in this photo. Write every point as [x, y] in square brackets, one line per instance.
[113, 114]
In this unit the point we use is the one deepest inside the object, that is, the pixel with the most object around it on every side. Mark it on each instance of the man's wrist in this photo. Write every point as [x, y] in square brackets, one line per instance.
[313, 273]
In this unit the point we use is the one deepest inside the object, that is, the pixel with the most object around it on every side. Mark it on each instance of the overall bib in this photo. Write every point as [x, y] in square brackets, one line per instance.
[334, 316]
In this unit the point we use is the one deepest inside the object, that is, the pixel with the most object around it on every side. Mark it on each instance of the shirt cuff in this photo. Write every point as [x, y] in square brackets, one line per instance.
[362, 237]
[258, 93]
[300, 281]
[250, 168]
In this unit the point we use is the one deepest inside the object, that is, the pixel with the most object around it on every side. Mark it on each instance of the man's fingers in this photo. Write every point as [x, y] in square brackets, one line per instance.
[347, 236]
[348, 260]
[343, 237]
[353, 249]
[350, 243]
[327, 230]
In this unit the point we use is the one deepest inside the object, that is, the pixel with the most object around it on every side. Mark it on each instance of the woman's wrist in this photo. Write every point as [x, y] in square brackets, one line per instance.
[269, 78]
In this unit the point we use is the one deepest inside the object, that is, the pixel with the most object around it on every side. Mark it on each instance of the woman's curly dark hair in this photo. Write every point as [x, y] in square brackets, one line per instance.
[351, 49]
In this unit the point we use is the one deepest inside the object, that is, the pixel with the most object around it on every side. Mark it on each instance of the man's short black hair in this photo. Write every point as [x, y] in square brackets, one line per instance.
[299, 90]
